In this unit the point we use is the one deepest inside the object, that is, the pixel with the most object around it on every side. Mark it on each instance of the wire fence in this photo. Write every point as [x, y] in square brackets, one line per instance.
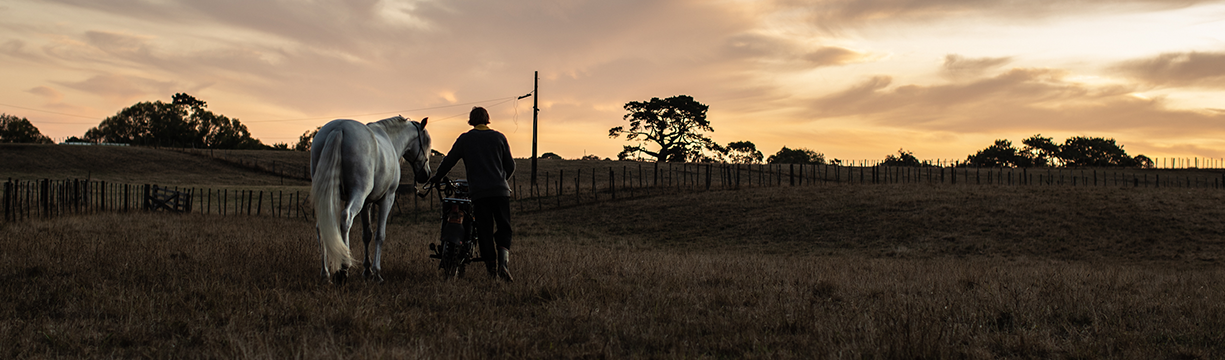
[45, 198]
[648, 179]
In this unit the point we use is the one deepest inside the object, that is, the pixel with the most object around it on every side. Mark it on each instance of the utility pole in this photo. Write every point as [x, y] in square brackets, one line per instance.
[535, 115]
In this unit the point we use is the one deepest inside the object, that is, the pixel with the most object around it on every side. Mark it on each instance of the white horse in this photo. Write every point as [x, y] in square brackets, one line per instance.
[355, 166]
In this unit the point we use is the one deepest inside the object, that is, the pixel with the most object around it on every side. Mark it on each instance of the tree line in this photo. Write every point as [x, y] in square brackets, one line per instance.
[19, 130]
[183, 122]
[672, 130]
[664, 130]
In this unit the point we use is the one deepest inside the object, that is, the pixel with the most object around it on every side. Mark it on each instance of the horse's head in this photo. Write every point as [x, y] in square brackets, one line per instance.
[418, 152]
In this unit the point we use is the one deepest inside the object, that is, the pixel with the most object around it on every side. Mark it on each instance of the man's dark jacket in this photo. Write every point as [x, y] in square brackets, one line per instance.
[487, 160]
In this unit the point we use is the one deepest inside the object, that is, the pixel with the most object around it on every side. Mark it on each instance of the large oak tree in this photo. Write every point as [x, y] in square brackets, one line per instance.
[666, 130]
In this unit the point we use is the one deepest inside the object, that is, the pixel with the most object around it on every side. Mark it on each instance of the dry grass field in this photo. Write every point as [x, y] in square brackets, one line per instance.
[831, 271]
[122, 164]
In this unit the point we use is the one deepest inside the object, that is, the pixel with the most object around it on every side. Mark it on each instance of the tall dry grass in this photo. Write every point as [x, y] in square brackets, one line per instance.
[600, 282]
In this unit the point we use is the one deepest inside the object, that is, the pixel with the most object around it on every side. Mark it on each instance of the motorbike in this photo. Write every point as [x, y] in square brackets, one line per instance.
[458, 240]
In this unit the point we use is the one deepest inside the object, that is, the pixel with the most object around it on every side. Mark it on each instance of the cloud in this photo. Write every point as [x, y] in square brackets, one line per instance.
[1014, 100]
[835, 56]
[751, 45]
[18, 49]
[878, 112]
[836, 15]
[858, 98]
[351, 53]
[1186, 69]
[52, 95]
[282, 59]
[958, 67]
[123, 88]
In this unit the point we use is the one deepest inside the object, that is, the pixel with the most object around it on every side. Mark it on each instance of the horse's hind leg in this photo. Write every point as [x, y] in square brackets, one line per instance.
[323, 251]
[381, 234]
[352, 207]
[367, 234]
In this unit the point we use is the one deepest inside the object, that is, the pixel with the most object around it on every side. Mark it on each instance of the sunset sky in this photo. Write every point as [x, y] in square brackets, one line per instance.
[854, 80]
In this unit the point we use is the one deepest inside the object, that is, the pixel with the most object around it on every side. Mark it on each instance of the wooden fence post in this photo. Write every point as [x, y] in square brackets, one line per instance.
[612, 183]
[790, 174]
[8, 200]
[655, 183]
[641, 177]
[147, 204]
[626, 183]
[708, 176]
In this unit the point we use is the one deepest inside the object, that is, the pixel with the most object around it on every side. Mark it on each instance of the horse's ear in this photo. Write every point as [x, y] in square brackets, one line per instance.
[423, 121]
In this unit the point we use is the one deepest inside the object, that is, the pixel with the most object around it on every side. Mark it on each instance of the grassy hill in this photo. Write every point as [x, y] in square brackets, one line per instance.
[194, 167]
[1169, 226]
[123, 164]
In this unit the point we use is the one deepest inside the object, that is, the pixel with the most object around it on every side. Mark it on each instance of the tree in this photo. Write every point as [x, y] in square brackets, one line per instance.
[1143, 162]
[20, 130]
[184, 122]
[743, 152]
[796, 156]
[903, 158]
[304, 141]
[1084, 151]
[550, 156]
[674, 124]
[1001, 154]
[1040, 150]
[590, 157]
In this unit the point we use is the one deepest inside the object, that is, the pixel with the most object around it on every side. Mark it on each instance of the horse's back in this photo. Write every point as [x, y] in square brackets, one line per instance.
[362, 161]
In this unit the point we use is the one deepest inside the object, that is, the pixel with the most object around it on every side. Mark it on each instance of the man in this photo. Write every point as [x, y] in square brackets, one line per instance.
[487, 160]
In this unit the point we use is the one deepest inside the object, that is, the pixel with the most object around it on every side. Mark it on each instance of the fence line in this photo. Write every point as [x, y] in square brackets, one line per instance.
[40, 199]
[648, 179]
[25, 199]
[282, 169]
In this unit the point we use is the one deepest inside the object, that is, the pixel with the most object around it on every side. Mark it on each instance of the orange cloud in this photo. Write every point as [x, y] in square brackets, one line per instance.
[1187, 69]
[122, 88]
[959, 67]
[835, 56]
[52, 95]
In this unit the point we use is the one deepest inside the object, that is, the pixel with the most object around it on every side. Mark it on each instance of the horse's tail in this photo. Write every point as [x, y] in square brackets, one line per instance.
[325, 190]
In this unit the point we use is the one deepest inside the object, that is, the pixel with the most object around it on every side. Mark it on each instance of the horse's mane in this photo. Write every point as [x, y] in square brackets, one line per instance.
[397, 117]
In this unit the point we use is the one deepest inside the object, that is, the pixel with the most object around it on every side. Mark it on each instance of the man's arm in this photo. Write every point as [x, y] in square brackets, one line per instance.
[508, 162]
[449, 161]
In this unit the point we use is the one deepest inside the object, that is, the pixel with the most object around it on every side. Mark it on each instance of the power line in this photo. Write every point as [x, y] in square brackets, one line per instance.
[390, 112]
[52, 112]
[503, 101]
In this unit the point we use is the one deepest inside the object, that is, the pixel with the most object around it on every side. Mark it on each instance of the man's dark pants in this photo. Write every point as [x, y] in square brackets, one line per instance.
[489, 212]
